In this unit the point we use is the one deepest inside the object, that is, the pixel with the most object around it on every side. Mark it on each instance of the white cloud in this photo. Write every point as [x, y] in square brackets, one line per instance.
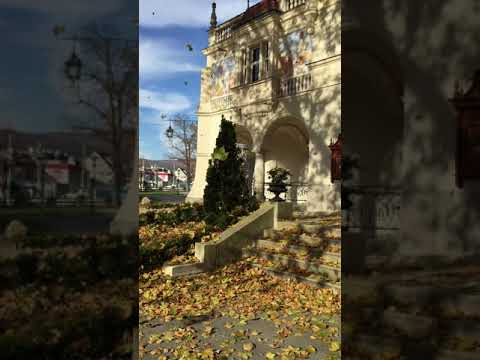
[162, 102]
[189, 13]
[158, 58]
[146, 155]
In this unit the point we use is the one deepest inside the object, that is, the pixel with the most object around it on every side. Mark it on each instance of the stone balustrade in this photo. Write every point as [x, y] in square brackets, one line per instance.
[223, 33]
[295, 85]
[223, 102]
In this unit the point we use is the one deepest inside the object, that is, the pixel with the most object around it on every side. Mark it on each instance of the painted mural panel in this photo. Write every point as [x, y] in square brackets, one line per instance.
[222, 77]
[296, 51]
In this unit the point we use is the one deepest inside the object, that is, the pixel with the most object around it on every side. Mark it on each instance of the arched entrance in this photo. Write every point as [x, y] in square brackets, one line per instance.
[372, 131]
[285, 144]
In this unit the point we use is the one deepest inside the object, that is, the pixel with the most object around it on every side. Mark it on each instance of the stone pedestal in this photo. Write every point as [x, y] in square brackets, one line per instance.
[259, 174]
[284, 209]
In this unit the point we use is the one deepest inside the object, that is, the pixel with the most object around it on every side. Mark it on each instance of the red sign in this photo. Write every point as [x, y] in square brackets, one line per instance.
[58, 170]
[336, 159]
[163, 176]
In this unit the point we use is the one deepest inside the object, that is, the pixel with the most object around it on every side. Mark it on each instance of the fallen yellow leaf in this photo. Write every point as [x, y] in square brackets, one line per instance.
[248, 346]
[334, 346]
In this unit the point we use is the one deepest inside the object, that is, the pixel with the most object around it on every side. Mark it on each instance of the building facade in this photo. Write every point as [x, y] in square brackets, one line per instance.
[275, 71]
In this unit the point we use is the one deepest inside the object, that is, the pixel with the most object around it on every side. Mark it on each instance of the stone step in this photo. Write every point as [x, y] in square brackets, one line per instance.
[318, 230]
[374, 346]
[405, 295]
[457, 355]
[413, 326]
[298, 251]
[313, 279]
[331, 231]
[381, 346]
[307, 240]
[464, 329]
[288, 262]
[184, 269]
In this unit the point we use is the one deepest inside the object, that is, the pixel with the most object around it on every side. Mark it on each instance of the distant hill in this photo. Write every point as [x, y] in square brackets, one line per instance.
[167, 164]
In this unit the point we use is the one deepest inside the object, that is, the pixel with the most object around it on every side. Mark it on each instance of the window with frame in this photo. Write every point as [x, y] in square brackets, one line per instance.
[255, 64]
[266, 61]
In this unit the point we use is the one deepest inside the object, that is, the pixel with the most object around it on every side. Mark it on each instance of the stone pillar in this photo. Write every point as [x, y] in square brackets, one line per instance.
[259, 175]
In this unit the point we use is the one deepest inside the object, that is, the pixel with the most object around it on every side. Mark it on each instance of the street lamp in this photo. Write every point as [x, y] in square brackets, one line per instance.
[73, 66]
[169, 132]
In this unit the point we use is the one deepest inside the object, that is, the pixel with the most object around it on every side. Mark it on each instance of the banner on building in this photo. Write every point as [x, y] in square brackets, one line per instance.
[59, 171]
[162, 175]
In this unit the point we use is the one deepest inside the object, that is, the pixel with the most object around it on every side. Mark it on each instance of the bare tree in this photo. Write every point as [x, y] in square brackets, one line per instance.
[109, 88]
[183, 143]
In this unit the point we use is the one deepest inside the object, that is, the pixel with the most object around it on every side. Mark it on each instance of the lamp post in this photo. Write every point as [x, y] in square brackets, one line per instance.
[93, 195]
[10, 166]
[73, 66]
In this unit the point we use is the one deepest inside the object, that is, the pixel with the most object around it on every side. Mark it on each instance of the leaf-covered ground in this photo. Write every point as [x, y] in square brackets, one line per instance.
[236, 312]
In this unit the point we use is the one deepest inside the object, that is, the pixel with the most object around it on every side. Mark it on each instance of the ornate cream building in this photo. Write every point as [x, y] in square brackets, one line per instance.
[274, 71]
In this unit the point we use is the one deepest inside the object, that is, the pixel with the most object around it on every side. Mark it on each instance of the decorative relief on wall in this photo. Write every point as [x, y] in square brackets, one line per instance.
[222, 77]
[296, 51]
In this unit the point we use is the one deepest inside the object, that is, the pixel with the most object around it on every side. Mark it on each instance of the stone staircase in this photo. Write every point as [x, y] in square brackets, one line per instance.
[428, 314]
[305, 249]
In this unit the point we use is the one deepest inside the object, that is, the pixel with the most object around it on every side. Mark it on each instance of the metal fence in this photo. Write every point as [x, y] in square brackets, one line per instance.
[297, 192]
[374, 208]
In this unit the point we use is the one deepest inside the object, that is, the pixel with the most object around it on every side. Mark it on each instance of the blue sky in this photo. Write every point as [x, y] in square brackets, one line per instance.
[166, 64]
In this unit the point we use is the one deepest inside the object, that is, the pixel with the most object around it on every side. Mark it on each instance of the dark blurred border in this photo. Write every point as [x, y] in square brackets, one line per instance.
[410, 228]
[68, 180]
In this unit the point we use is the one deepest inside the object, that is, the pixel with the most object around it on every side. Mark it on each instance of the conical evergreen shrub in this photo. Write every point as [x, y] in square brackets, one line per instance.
[226, 186]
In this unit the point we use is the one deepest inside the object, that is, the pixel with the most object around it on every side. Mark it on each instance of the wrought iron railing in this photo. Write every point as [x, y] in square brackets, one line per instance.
[296, 192]
[292, 4]
[373, 208]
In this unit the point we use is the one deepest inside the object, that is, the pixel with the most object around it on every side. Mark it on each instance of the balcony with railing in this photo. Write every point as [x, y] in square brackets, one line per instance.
[295, 85]
[267, 89]
[288, 5]
[223, 33]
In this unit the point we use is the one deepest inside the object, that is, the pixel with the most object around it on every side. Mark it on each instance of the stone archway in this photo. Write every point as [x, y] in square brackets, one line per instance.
[285, 144]
[372, 129]
[372, 123]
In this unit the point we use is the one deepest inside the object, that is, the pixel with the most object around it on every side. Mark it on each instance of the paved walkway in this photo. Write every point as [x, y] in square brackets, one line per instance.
[279, 335]
[237, 313]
